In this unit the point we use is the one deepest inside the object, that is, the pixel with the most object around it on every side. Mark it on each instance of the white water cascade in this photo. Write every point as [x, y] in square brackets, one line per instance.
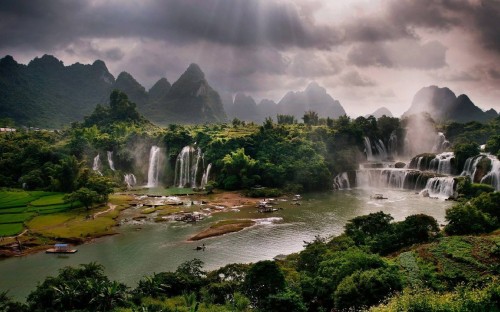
[130, 180]
[493, 177]
[110, 161]
[204, 179]
[440, 187]
[470, 166]
[442, 163]
[382, 178]
[96, 166]
[341, 182]
[154, 166]
[381, 150]
[186, 167]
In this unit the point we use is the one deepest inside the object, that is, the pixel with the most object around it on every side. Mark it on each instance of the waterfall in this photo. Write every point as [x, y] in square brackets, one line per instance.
[130, 180]
[110, 160]
[382, 151]
[393, 145]
[440, 187]
[494, 175]
[368, 149]
[187, 167]
[204, 179]
[471, 166]
[97, 164]
[393, 178]
[440, 144]
[154, 166]
[341, 182]
[442, 163]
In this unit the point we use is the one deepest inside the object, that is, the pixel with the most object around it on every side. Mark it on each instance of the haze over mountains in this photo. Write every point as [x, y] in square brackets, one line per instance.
[313, 98]
[442, 104]
[45, 93]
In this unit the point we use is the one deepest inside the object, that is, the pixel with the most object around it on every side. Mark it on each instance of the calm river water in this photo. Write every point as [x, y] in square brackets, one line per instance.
[162, 247]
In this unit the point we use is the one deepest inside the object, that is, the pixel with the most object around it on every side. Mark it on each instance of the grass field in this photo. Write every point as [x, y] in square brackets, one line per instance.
[19, 206]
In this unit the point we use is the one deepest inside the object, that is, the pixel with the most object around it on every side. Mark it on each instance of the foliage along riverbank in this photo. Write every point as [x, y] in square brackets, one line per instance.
[376, 264]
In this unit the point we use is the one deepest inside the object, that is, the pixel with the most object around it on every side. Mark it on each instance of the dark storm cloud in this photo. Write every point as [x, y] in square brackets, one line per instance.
[481, 18]
[42, 24]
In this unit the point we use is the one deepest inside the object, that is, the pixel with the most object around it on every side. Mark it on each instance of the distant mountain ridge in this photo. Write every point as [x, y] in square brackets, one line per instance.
[444, 105]
[380, 112]
[296, 103]
[45, 93]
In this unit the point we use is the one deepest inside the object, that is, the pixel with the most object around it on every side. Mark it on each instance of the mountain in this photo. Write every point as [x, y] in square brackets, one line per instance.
[245, 108]
[380, 112]
[134, 90]
[443, 105]
[46, 93]
[190, 100]
[314, 98]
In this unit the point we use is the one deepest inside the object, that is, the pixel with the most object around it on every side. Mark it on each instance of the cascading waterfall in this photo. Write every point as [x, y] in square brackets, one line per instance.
[110, 160]
[379, 147]
[382, 151]
[97, 164]
[440, 187]
[368, 149]
[154, 166]
[186, 167]
[130, 180]
[442, 163]
[382, 178]
[471, 166]
[493, 177]
[204, 179]
[341, 182]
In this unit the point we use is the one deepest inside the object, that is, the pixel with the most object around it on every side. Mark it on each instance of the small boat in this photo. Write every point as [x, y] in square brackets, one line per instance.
[61, 249]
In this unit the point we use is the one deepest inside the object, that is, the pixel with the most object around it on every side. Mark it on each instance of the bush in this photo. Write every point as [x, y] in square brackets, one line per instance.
[467, 219]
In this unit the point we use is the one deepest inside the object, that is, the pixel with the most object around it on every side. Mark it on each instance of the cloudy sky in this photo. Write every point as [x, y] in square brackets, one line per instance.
[366, 53]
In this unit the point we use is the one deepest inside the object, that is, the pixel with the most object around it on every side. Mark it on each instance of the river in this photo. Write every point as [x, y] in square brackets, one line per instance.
[142, 249]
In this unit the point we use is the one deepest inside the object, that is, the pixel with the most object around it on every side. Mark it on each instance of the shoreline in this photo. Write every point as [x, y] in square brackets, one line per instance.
[33, 242]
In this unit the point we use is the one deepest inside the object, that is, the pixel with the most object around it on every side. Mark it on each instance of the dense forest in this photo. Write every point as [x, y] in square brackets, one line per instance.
[286, 154]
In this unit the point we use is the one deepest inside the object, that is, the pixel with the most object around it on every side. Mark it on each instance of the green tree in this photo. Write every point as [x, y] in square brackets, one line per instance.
[366, 288]
[84, 195]
[363, 228]
[238, 170]
[467, 219]
[311, 118]
[286, 119]
[263, 279]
